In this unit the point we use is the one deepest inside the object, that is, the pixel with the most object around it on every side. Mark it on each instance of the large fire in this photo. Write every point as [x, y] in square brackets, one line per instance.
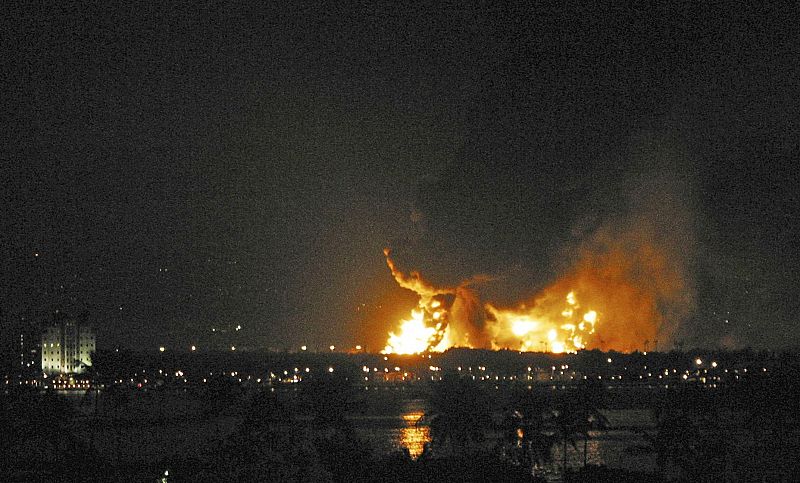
[524, 329]
[426, 328]
[614, 299]
[537, 329]
[624, 284]
[566, 329]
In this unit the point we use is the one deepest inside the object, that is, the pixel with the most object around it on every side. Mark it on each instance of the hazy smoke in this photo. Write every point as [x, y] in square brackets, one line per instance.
[633, 267]
[468, 320]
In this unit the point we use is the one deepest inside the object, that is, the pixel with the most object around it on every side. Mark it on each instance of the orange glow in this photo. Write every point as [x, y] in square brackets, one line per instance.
[626, 289]
[414, 436]
[563, 327]
[523, 326]
[543, 326]
[414, 336]
[427, 327]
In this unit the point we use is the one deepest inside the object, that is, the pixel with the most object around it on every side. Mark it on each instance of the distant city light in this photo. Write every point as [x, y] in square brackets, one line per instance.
[161, 349]
[238, 327]
[333, 347]
[358, 347]
[233, 347]
[330, 369]
[698, 361]
[302, 347]
[194, 348]
[713, 364]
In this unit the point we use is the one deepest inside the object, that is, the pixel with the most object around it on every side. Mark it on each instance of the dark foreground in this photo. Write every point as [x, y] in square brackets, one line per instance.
[221, 431]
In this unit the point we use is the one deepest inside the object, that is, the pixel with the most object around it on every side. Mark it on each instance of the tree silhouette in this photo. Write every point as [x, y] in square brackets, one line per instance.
[39, 426]
[567, 426]
[689, 436]
[590, 399]
[331, 398]
[267, 445]
[461, 413]
[527, 426]
[576, 415]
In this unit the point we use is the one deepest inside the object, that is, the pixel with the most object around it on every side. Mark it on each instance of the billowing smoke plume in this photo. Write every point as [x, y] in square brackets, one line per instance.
[625, 285]
[414, 281]
[632, 274]
[428, 323]
[630, 281]
[468, 320]
[628, 289]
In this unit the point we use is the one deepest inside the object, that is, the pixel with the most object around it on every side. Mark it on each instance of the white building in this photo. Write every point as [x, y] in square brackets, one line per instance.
[67, 347]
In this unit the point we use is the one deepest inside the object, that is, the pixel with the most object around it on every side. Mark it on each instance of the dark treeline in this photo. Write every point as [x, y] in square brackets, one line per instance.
[744, 431]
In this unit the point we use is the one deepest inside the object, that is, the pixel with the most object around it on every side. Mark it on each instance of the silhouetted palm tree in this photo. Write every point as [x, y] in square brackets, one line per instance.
[567, 426]
[331, 399]
[689, 436]
[675, 441]
[590, 399]
[527, 425]
[461, 413]
[575, 416]
[268, 445]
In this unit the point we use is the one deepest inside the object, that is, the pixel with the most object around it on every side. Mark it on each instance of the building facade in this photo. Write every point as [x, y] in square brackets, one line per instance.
[67, 347]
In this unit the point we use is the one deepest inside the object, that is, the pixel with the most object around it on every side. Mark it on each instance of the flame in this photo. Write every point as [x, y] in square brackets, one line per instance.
[545, 326]
[414, 336]
[427, 329]
[626, 290]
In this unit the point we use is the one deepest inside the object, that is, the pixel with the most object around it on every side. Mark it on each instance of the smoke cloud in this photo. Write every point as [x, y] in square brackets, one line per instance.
[625, 284]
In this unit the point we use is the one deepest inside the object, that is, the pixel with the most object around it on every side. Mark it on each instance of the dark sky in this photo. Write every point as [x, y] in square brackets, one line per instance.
[176, 168]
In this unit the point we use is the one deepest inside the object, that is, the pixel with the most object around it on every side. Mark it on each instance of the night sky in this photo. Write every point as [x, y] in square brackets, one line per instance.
[177, 168]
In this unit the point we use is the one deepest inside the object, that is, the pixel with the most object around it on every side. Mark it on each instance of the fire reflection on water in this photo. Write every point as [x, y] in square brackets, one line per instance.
[414, 436]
